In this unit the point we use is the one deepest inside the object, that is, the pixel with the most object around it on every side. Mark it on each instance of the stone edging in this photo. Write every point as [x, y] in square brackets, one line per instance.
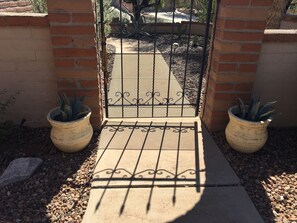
[24, 19]
[280, 35]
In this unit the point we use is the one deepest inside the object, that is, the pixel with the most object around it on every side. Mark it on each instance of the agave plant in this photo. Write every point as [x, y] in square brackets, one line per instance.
[255, 111]
[71, 109]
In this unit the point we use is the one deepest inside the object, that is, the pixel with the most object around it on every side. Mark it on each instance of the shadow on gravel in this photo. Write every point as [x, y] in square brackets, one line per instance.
[32, 200]
[264, 172]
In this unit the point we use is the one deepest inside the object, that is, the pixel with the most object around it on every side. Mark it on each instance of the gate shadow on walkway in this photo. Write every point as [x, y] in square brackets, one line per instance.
[164, 172]
[154, 145]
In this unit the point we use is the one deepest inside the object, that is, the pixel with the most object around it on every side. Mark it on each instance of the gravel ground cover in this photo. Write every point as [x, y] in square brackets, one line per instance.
[58, 191]
[185, 62]
[269, 175]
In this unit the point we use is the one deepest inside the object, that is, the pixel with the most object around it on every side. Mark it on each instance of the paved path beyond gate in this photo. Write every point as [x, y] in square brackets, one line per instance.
[125, 79]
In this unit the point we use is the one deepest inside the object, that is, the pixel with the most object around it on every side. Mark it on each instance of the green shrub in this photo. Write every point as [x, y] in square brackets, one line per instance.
[39, 6]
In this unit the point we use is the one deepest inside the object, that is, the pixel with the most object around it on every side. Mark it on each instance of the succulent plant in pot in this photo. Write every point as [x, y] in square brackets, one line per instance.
[246, 131]
[71, 129]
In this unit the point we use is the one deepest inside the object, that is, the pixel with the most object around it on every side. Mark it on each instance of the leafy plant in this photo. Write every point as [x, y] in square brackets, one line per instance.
[71, 109]
[39, 6]
[255, 111]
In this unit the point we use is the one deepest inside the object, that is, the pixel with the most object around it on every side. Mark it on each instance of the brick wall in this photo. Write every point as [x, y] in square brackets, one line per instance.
[72, 26]
[42, 55]
[27, 67]
[238, 36]
[15, 6]
[276, 77]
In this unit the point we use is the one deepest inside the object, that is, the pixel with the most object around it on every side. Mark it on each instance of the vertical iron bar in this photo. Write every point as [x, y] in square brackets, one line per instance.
[206, 34]
[154, 57]
[187, 57]
[122, 62]
[138, 64]
[104, 56]
[170, 63]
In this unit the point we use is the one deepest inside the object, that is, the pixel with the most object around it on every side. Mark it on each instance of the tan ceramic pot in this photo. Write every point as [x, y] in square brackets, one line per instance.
[245, 136]
[70, 136]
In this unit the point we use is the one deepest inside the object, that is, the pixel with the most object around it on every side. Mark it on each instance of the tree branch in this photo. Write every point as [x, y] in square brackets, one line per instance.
[147, 4]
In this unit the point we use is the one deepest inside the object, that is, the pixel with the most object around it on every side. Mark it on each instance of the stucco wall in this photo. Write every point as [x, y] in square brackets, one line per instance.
[27, 67]
[276, 77]
[16, 6]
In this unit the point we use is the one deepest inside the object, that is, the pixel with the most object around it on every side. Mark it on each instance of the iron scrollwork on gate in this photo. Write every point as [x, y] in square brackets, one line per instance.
[133, 101]
[136, 29]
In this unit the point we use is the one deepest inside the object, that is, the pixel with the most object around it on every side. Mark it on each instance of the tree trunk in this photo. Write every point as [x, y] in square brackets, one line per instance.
[136, 13]
[276, 13]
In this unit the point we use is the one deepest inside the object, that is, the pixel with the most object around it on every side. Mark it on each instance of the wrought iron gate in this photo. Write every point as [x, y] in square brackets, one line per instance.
[151, 74]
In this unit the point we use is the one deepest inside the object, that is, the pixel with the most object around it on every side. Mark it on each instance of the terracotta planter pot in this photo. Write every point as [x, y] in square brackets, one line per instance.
[70, 136]
[245, 136]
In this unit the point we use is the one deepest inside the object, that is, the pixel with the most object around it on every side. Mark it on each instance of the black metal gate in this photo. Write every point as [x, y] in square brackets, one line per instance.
[152, 74]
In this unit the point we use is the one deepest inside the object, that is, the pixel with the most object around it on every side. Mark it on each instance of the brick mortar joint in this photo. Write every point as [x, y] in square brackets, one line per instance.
[244, 30]
[222, 52]
[239, 41]
[72, 35]
[248, 6]
[76, 79]
[236, 63]
[223, 18]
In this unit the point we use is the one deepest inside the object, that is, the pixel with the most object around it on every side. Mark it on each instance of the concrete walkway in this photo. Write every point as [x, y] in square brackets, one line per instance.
[124, 78]
[164, 172]
[161, 170]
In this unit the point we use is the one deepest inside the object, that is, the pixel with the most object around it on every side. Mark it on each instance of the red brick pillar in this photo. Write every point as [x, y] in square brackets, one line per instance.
[72, 26]
[238, 36]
